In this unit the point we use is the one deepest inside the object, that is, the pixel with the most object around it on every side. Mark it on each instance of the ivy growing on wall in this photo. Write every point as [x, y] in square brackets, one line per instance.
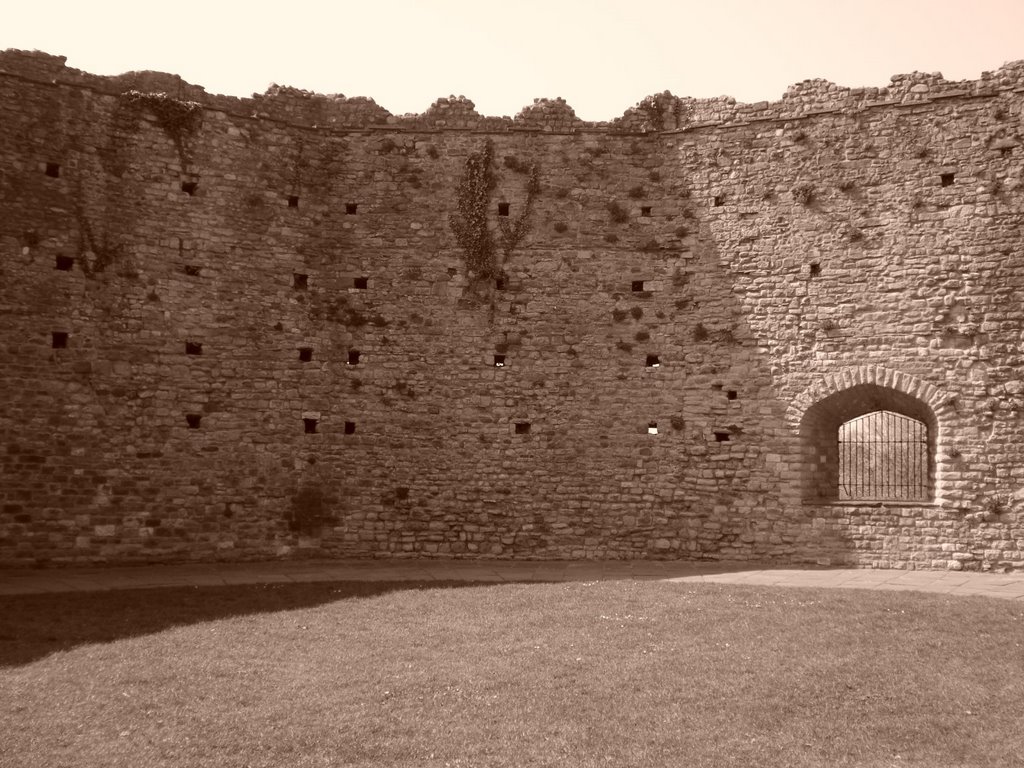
[469, 223]
[513, 232]
[104, 253]
[176, 117]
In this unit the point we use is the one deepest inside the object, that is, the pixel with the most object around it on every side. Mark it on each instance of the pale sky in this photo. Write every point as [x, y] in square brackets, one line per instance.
[600, 56]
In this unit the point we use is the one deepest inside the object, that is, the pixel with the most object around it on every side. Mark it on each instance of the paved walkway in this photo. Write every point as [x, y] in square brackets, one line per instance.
[29, 581]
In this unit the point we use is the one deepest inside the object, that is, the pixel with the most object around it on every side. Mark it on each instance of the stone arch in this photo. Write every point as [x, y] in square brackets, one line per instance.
[818, 412]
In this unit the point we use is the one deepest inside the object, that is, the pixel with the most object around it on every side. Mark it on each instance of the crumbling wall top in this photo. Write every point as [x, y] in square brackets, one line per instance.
[656, 113]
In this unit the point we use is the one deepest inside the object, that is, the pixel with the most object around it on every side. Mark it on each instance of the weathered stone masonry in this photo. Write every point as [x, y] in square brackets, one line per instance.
[298, 325]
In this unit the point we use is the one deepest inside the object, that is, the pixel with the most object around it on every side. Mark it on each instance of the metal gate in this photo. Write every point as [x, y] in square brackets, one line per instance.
[884, 456]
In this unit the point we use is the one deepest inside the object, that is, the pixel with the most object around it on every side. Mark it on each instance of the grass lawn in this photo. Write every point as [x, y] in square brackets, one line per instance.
[579, 674]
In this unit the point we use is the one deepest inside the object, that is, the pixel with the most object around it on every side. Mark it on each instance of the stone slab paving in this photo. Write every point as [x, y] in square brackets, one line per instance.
[36, 581]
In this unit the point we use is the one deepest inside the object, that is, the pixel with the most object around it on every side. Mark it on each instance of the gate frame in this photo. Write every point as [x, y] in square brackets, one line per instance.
[880, 442]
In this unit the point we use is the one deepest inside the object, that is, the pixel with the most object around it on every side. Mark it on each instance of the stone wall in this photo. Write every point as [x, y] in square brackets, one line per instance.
[246, 328]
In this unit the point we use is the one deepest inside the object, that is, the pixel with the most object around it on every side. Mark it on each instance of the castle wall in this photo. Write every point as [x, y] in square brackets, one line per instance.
[768, 256]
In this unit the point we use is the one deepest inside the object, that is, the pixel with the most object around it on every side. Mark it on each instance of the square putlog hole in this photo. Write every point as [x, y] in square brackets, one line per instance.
[499, 361]
[293, 201]
[361, 283]
[637, 286]
[652, 361]
[350, 427]
[353, 357]
[189, 187]
[722, 437]
[522, 427]
[193, 420]
[300, 282]
[645, 211]
[193, 348]
[64, 263]
[59, 339]
[309, 426]
[53, 170]
[305, 354]
[351, 208]
[718, 201]
[947, 179]
[192, 270]
[503, 209]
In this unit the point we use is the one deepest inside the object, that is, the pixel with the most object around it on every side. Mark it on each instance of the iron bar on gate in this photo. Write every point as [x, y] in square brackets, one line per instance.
[883, 456]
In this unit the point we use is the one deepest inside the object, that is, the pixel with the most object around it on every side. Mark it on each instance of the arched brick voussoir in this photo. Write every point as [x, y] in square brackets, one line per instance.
[937, 399]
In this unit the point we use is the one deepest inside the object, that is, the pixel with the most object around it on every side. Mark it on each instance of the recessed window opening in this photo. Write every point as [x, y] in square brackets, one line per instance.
[522, 427]
[362, 283]
[722, 437]
[293, 201]
[192, 270]
[499, 361]
[503, 209]
[883, 456]
[652, 428]
[637, 286]
[645, 211]
[305, 354]
[193, 420]
[64, 263]
[59, 339]
[189, 187]
[869, 442]
[652, 361]
[53, 170]
[947, 179]
[353, 357]
[193, 348]
[309, 426]
[350, 209]
[350, 427]
[300, 282]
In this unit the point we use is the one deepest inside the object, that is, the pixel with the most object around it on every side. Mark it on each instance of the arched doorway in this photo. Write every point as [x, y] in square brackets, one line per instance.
[869, 443]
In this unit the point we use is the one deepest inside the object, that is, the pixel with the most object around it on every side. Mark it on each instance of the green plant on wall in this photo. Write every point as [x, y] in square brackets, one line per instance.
[176, 117]
[469, 223]
[617, 213]
[803, 194]
[513, 232]
[104, 251]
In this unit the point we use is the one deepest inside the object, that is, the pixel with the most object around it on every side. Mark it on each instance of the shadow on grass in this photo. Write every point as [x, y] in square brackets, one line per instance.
[35, 626]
